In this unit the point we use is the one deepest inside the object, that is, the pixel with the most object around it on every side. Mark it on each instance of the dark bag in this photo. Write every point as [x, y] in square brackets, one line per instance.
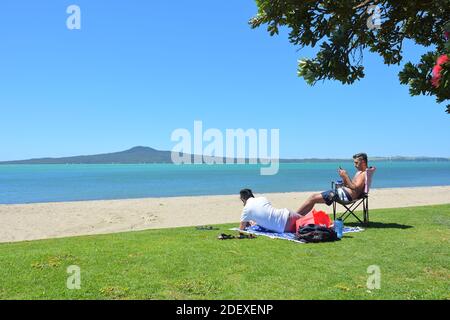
[315, 233]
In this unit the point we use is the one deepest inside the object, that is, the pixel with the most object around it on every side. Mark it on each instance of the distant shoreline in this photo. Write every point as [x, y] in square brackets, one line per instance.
[22, 162]
[147, 155]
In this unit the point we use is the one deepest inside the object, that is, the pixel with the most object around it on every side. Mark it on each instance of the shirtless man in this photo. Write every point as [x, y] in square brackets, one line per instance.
[353, 189]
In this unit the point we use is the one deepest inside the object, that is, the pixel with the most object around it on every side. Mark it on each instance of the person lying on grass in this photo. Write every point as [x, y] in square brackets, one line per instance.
[260, 211]
[353, 189]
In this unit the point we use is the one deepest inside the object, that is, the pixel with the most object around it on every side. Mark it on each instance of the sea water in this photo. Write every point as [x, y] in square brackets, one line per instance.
[77, 182]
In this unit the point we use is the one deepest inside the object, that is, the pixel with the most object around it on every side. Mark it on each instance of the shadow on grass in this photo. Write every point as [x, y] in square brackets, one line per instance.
[380, 225]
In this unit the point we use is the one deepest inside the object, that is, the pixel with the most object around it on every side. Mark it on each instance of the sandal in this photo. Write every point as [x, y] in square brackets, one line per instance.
[206, 228]
[224, 236]
[247, 236]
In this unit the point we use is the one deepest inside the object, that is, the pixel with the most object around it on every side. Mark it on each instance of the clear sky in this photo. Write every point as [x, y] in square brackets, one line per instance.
[138, 70]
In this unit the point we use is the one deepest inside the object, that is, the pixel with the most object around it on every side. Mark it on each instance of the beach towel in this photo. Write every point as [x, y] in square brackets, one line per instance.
[369, 175]
[260, 231]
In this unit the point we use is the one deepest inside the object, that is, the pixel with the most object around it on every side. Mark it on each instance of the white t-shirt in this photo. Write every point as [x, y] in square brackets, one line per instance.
[260, 210]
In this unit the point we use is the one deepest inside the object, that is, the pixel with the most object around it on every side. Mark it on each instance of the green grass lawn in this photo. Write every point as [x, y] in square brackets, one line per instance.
[411, 247]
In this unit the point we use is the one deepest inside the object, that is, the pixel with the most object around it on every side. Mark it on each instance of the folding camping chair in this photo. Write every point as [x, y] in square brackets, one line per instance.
[351, 206]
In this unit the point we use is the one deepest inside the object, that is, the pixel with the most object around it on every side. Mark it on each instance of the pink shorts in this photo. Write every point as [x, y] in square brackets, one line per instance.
[291, 222]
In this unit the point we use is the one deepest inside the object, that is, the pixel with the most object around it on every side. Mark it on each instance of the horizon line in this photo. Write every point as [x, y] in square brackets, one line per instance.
[371, 158]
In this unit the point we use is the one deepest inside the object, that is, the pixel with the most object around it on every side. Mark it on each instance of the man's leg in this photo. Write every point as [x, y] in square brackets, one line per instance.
[310, 203]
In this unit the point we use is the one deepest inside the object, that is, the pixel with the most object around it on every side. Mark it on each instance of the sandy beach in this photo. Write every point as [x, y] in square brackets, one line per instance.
[62, 219]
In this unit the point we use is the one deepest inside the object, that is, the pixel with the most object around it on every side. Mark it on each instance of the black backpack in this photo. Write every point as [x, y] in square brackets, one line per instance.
[315, 233]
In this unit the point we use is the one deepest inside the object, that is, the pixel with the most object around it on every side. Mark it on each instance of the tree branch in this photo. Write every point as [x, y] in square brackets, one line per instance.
[364, 3]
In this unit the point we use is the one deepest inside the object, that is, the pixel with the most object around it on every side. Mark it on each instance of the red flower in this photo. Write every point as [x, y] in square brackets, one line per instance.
[437, 70]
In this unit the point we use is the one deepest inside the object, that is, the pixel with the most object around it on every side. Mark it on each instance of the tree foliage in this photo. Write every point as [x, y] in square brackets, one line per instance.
[343, 29]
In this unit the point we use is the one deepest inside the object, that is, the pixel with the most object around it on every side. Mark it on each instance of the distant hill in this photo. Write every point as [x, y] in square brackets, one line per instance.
[133, 155]
[150, 155]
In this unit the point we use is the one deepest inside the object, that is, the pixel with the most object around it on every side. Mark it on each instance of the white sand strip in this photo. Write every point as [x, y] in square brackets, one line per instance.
[63, 219]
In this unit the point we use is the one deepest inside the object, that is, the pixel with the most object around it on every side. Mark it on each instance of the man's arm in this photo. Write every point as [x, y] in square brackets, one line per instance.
[244, 224]
[357, 184]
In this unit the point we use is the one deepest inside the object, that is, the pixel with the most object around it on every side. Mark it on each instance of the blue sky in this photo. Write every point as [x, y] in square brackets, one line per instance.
[138, 70]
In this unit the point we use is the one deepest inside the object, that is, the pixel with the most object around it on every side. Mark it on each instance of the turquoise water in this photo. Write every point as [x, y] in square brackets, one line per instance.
[53, 183]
